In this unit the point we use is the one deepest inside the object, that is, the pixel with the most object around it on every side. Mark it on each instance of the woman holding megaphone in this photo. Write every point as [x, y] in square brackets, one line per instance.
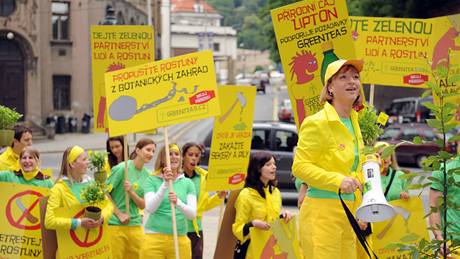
[327, 158]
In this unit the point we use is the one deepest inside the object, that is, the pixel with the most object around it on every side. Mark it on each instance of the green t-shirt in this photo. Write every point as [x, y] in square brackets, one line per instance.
[76, 188]
[318, 193]
[196, 179]
[453, 195]
[161, 220]
[397, 186]
[117, 191]
[11, 177]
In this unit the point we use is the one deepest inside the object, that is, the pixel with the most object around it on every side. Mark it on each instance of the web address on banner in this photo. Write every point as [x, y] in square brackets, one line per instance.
[398, 68]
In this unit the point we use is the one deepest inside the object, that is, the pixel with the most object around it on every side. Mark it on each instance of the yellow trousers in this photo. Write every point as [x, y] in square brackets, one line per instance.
[161, 246]
[325, 231]
[126, 241]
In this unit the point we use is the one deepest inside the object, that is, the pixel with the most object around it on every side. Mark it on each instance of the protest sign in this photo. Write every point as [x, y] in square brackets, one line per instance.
[281, 241]
[114, 48]
[310, 35]
[20, 235]
[409, 219]
[231, 139]
[162, 93]
[82, 242]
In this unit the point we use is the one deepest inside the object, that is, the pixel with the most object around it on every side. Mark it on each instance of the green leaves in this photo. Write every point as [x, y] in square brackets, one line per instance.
[93, 194]
[97, 160]
[8, 117]
[370, 130]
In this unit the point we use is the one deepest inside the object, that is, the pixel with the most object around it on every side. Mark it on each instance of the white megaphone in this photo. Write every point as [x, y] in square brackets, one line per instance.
[374, 207]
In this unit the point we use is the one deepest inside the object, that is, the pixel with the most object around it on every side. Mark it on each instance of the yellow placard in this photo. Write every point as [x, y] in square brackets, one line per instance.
[383, 118]
[310, 35]
[82, 242]
[401, 51]
[162, 93]
[409, 219]
[281, 241]
[231, 139]
[116, 47]
[20, 234]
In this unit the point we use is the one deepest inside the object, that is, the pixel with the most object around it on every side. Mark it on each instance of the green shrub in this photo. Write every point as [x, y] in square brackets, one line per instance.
[8, 117]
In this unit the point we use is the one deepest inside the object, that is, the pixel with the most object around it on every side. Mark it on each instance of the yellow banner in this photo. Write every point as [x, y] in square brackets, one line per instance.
[281, 241]
[231, 139]
[409, 219]
[20, 234]
[162, 93]
[401, 51]
[114, 48]
[310, 35]
[82, 242]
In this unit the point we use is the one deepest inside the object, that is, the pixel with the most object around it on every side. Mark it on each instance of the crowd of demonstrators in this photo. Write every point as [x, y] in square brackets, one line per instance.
[259, 203]
[158, 198]
[125, 226]
[191, 153]
[9, 160]
[66, 192]
[326, 158]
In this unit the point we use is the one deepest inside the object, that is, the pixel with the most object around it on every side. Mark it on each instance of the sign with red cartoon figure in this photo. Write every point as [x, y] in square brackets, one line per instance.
[20, 220]
[82, 242]
[310, 35]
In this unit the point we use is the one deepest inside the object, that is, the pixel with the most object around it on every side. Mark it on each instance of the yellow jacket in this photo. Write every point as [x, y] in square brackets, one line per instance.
[61, 196]
[205, 202]
[326, 150]
[9, 161]
[250, 206]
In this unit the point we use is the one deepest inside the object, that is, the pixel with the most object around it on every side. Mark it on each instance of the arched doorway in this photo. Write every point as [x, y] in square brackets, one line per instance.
[12, 71]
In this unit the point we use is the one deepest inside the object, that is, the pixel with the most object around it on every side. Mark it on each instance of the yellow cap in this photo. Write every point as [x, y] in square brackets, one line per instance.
[335, 66]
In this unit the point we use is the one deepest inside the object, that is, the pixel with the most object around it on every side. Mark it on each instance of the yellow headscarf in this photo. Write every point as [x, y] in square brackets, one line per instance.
[174, 147]
[74, 153]
[30, 175]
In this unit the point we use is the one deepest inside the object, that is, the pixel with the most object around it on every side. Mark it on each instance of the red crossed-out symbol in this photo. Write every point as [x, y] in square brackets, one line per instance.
[25, 211]
[85, 242]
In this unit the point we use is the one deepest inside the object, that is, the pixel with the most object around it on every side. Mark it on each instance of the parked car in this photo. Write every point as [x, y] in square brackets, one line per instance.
[261, 79]
[285, 111]
[277, 137]
[413, 153]
[409, 109]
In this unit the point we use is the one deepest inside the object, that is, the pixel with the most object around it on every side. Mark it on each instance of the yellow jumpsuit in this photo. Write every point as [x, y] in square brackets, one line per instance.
[324, 156]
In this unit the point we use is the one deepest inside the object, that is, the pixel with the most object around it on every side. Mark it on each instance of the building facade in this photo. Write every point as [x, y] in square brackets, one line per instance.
[195, 26]
[45, 53]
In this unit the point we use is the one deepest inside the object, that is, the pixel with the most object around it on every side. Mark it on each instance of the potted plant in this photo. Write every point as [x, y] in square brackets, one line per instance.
[370, 129]
[97, 164]
[94, 196]
[8, 118]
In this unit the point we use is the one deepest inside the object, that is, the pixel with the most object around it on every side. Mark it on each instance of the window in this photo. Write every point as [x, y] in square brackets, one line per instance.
[216, 46]
[60, 20]
[260, 139]
[285, 140]
[61, 92]
[7, 7]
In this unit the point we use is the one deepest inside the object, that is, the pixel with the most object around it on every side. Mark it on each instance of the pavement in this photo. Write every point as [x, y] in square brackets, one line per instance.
[97, 141]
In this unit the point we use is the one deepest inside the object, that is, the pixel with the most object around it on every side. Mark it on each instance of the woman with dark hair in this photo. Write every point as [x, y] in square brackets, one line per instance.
[126, 226]
[159, 241]
[29, 172]
[115, 148]
[66, 192]
[191, 152]
[259, 203]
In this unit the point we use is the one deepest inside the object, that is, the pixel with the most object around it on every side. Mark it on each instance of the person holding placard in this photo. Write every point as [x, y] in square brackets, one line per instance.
[259, 203]
[191, 152]
[66, 192]
[327, 159]
[159, 239]
[29, 172]
[126, 226]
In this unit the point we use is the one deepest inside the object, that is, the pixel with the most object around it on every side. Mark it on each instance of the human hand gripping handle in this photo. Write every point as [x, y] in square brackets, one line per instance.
[350, 184]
